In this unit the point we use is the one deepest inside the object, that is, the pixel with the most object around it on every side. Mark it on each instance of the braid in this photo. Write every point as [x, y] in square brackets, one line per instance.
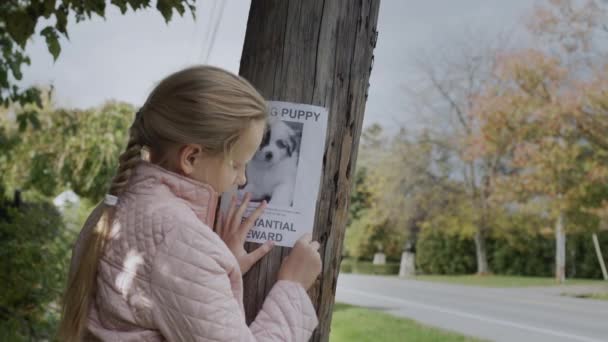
[129, 158]
[126, 162]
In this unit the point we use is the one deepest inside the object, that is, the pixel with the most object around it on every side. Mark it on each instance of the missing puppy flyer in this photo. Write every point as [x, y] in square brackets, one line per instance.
[286, 172]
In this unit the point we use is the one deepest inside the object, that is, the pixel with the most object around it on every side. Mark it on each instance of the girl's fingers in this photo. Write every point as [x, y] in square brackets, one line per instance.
[238, 216]
[257, 254]
[306, 238]
[219, 227]
[228, 221]
[248, 224]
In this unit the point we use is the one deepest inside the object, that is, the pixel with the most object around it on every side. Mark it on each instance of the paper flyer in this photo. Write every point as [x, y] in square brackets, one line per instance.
[286, 172]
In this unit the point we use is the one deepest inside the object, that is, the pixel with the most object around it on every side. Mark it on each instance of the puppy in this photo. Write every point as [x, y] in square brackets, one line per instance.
[271, 174]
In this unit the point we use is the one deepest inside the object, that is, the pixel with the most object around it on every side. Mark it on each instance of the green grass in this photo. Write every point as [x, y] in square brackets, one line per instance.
[503, 281]
[367, 267]
[600, 296]
[352, 323]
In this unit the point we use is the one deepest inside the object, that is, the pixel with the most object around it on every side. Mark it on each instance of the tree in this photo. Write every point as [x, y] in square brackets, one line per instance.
[407, 180]
[70, 149]
[65, 149]
[451, 78]
[371, 148]
[538, 114]
[360, 197]
[18, 22]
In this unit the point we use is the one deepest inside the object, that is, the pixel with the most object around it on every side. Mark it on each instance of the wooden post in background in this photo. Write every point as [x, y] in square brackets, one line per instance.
[317, 52]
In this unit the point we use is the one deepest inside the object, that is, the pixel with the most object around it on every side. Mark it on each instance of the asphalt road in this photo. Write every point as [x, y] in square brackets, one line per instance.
[497, 314]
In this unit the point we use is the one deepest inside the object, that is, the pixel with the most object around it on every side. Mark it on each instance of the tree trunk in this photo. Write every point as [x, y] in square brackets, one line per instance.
[480, 234]
[407, 266]
[480, 252]
[319, 53]
[560, 250]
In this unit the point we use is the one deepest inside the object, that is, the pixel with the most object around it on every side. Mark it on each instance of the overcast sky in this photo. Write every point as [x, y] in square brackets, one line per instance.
[122, 56]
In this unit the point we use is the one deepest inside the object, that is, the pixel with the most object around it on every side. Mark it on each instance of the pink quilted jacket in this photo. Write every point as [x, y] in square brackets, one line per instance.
[166, 276]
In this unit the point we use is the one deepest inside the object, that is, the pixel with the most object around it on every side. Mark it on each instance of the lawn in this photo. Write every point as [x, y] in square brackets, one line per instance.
[600, 296]
[351, 323]
[504, 281]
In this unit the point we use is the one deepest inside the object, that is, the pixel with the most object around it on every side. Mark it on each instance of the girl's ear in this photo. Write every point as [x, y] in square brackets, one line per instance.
[187, 158]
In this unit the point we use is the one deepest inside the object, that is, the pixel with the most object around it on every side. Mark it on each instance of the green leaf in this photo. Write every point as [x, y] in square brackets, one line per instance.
[98, 6]
[52, 41]
[22, 120]
[3, 76]
[35, 96]
[180, 8]
[62, 20]
[121, 4]
[15, 67]
[192, 10]
[29, 96]
[166, 9]
[33, 116]
[140, 4]
[20, 26]
[49, 8]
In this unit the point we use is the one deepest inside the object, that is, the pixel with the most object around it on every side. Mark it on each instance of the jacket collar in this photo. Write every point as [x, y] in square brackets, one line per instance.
[200, 197]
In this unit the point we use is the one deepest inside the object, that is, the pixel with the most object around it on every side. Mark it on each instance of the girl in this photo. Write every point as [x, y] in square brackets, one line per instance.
[147, 265]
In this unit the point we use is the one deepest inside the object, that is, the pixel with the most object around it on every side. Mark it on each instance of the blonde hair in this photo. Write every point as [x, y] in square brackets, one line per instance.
[203, 105]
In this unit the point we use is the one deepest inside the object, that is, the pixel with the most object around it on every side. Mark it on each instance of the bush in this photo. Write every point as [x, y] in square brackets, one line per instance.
[581, 258]
[371, 233]
[441, 253]
[509, 253]
[34, 253]
[534, 255]
[522, 254]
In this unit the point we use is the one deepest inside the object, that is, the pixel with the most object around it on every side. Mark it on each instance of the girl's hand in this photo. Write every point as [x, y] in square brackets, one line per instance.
[233, 230]
[303, 264]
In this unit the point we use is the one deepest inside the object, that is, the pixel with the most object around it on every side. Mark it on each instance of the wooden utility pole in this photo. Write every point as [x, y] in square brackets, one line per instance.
[317, 52]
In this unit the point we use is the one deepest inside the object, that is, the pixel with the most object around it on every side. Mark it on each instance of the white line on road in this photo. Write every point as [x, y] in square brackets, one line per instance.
[473, 316]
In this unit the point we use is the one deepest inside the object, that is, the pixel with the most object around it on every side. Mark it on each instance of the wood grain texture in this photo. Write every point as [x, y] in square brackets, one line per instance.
[317, 52]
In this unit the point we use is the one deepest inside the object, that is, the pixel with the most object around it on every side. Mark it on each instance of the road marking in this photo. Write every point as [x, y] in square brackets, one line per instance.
[509, 292]
[473, 316]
